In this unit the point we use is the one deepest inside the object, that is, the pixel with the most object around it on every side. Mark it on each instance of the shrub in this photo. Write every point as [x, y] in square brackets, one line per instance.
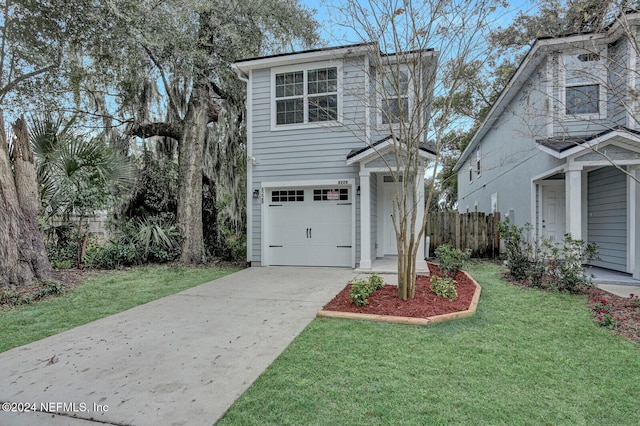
[444, 287]
[517, 249]
[361, 289]
[49, 288]
[565, 266]
[546, 263]
[603, 313]
[451, 259]
[13, 298]
[114, 254]
[155, 239]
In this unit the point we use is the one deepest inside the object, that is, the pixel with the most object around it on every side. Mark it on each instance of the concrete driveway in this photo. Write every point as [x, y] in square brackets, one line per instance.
[181, 360]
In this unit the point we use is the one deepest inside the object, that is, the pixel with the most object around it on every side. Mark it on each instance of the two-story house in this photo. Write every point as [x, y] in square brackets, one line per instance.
[560, 148]
[319, 188]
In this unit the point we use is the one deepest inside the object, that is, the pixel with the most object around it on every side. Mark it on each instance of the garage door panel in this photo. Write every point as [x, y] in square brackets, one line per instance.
[308, 231]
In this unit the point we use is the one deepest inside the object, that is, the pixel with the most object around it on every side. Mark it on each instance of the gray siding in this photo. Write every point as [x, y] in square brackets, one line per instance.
[510, 157]
[312, 153]
[617, 82]
[607, 217]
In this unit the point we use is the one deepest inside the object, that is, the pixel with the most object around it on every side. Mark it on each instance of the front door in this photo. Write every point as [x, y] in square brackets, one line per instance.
[553, 218]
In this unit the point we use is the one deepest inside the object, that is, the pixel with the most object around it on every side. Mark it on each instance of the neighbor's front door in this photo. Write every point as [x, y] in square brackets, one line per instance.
[552, 223]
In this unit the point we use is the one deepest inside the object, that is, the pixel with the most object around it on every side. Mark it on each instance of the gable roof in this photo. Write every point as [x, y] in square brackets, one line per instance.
[312, 55]
[541, 47]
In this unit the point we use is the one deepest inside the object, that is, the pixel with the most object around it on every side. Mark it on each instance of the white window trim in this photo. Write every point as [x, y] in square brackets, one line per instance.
[471, 172]
[379, 96]
[478, 164]
[600, 80]
[304, 68]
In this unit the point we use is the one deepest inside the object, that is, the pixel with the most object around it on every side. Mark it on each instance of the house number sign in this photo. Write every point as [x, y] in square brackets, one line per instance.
[342, 182]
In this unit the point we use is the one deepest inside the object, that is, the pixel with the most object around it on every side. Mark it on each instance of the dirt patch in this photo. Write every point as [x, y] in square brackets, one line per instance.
[425, 304]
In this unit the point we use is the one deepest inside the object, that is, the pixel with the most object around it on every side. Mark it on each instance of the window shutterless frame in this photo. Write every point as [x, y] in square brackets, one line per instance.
[306, 95]
[583, 93]
[394, 96]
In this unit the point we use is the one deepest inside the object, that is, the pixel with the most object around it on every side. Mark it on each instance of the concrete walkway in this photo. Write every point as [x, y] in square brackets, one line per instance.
[181, 360]
[613, 282]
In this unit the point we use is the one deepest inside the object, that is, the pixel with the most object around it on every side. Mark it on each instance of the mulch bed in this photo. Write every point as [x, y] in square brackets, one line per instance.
[425, 304]
[624, 310]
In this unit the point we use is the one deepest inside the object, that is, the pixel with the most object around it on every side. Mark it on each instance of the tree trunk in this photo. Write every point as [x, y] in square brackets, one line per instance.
[23, 257]
[190, 160]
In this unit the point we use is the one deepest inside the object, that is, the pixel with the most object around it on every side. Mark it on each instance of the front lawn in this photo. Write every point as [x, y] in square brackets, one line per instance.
[526, 357]
[100, 296]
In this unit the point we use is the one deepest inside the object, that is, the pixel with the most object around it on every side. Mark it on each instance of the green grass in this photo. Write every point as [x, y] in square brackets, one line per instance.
[527, 357]
[100, 296]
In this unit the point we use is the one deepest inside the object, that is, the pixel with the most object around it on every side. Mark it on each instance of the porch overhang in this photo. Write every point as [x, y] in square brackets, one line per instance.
[377, 149]
[574, 146]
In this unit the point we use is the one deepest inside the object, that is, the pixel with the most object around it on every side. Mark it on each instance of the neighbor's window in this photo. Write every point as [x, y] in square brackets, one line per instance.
[583, 99]
[478, 158]
[395, 97]
[583, 94]
[307, 96]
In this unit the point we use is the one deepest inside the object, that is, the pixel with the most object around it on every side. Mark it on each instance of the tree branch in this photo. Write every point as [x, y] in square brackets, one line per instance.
[12, 84]
[165, 83]
[148, 130]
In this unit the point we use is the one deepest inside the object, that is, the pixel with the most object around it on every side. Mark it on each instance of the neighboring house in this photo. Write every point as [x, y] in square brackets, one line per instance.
[318, 190]
[561, 146]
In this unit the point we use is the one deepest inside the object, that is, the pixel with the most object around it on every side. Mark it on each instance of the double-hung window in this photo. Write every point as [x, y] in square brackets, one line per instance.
[583, 93]
[306, 96]
[394, 95]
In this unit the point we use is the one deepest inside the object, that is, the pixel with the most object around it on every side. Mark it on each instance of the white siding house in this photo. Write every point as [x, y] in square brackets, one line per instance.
[316, 195]
[560, 148]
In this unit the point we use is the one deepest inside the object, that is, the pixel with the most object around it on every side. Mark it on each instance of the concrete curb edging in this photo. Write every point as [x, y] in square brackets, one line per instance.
[409, 320]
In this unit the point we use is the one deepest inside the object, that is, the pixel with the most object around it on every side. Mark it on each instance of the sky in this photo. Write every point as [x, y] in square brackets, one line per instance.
[335, 35]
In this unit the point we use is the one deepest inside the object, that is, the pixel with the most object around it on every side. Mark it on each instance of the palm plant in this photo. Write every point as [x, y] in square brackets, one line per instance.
[77, 175]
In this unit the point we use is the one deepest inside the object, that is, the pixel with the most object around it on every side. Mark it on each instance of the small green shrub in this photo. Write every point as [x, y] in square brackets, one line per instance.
[546, 263]
[114, 254]
[451, 259]
[566, 263]
[517, 249]
[444, 287]
[361, 289]
[13, 298]
[49, 288]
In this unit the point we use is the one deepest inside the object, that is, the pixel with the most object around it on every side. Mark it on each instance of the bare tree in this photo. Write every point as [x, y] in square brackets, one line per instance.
[417, 90]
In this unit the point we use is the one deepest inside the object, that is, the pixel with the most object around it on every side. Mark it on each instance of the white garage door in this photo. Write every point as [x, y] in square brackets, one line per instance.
[309, 226]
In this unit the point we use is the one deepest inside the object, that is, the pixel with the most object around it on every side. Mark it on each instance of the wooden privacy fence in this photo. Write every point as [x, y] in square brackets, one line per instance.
[475, 231]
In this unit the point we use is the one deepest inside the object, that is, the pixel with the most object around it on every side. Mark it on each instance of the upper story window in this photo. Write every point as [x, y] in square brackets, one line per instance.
[394, 95]
[478, 159]
[584, 94]
[306, 95]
